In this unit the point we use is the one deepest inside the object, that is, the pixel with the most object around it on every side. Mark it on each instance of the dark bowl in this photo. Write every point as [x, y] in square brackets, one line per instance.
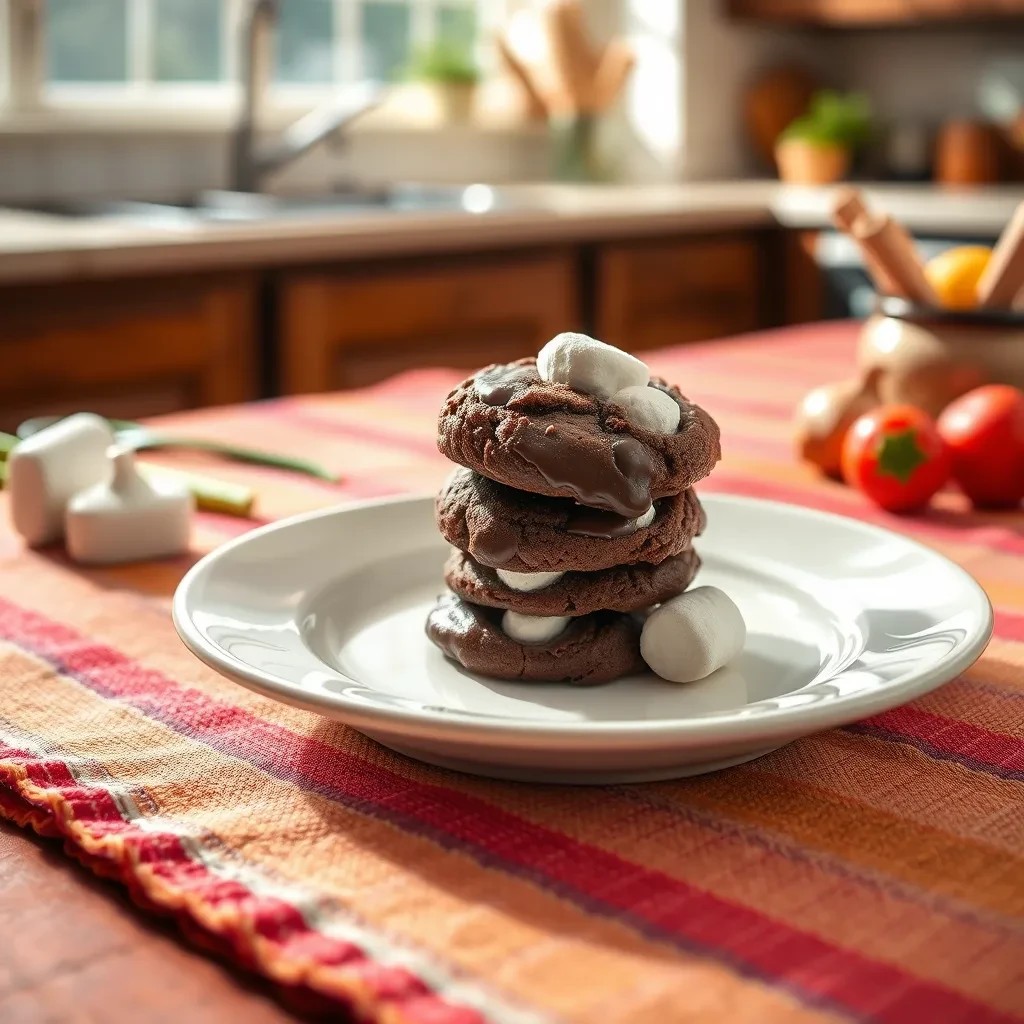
[904, 309]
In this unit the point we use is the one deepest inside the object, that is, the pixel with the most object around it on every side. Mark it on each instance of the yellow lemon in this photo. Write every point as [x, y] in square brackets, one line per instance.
[954, 275]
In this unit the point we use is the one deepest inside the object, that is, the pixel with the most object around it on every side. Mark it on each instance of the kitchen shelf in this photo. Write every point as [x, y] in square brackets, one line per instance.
[875, 13]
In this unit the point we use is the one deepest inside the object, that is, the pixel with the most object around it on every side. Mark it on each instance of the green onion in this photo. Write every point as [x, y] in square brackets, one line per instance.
[211, 495]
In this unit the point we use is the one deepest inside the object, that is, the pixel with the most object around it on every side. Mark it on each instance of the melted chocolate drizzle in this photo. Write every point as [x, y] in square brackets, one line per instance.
[593, 522]
[623, 487]
[499, 385]
[495, 546]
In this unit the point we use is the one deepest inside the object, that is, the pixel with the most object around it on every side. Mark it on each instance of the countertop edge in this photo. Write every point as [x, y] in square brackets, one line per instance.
[40, 248]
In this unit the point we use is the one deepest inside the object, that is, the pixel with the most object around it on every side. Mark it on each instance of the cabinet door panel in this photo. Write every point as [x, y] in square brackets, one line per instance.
[347, 328]
[127, 348]
[664, 292]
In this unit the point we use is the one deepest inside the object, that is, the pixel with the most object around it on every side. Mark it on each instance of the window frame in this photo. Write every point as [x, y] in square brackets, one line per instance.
[29, 102]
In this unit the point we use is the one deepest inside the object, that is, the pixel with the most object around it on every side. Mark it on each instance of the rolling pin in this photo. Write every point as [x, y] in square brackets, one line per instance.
[1003, 279]
[886, 244]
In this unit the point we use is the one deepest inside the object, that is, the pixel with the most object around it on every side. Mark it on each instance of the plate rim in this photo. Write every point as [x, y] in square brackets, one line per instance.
[715, 727]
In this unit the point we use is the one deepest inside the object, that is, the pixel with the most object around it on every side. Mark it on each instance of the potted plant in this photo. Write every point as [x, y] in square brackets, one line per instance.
[817, 147]
[451, 74]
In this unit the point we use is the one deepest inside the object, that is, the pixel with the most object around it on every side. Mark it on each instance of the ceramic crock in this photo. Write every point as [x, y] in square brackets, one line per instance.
[927, 357]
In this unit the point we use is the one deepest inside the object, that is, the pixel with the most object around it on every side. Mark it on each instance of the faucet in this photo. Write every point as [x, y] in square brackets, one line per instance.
[251, 162]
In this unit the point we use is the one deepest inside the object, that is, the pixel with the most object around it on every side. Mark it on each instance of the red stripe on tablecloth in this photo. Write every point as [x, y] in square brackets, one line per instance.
[997, 538]
[274, 920]
[1009, 625]
[600, 882]
[992, 751]
[290, 411]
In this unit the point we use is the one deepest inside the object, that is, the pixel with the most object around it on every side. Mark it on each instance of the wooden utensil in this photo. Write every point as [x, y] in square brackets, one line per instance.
[536, 107]
[887, 248]
[617, 61]
[887, 244]
[1003, 278]
[570, 57]
[848, 208]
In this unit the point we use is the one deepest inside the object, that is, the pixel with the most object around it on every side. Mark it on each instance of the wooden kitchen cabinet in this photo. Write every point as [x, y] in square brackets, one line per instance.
[127, 348]
[659, 292]
[867, 13]
[346, 327]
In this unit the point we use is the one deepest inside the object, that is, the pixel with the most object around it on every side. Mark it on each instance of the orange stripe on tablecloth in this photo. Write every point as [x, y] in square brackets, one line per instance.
[748, 478]
[47, 590]
[340, 424]
[1001, 710]
[724, 924]
[911, 803]
[1001, 668]
[217, 778]
[974, 747]
[413, 885]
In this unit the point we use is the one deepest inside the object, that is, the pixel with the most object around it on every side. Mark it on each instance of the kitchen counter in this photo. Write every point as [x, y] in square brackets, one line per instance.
[36, 246]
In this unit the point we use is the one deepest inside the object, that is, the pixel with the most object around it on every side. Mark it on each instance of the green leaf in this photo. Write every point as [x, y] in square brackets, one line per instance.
[443, 62]
[899, 455]
[833, 118]
[7, 443]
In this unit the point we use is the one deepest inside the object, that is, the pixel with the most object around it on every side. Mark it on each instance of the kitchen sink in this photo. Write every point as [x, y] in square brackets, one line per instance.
[227, 206]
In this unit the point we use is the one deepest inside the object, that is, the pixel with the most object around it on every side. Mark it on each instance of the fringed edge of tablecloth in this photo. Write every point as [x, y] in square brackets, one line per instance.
[219, 916]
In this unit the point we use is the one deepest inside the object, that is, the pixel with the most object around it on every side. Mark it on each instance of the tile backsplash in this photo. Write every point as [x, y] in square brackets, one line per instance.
[37, 167]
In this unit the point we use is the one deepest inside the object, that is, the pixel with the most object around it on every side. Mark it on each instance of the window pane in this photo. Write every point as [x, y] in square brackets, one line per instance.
[87, 40]
[304, 41]
[457, 25]
[187, 43]
[385, 40]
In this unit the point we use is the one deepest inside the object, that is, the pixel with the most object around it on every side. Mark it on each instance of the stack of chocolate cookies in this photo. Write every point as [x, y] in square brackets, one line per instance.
[573, 513]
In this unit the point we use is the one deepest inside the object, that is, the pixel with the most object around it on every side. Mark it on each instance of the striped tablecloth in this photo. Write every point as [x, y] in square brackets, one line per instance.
[872, 873]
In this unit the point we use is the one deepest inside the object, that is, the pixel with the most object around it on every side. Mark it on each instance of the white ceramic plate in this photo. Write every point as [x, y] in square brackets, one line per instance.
[326, 612]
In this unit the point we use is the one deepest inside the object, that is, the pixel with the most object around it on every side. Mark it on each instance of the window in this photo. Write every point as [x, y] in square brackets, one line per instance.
[134, 49]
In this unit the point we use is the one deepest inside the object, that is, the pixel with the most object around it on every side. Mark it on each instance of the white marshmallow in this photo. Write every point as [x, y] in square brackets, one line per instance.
[588, 365]
[649, 408]
[646, 519]
[525, 582]
[128, 519]
[687, 638]
[45, 470]
[533, 629]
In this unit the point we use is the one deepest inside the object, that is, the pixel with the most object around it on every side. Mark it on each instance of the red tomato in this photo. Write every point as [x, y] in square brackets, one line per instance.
[894, 454]
[984, 431]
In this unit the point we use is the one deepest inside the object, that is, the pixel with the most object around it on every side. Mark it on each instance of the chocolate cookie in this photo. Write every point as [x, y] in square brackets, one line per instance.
[509, 529]
[592, 649]
[625, 588]
[509, 425]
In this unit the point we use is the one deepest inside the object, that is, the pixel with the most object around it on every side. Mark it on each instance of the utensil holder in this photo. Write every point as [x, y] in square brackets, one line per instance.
[927, 357]
[574, 149]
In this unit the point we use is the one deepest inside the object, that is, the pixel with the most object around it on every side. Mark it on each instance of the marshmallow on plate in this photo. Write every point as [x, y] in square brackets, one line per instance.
[588, 365]
[692, 635]
[527, 582]
[533, 629]
[649, 408]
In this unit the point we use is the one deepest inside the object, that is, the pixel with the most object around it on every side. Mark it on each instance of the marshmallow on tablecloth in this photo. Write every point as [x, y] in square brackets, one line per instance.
[533, 629]
[47, 469]
[588, 365]
[128, 518]
[687, 638]
[648, 408]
